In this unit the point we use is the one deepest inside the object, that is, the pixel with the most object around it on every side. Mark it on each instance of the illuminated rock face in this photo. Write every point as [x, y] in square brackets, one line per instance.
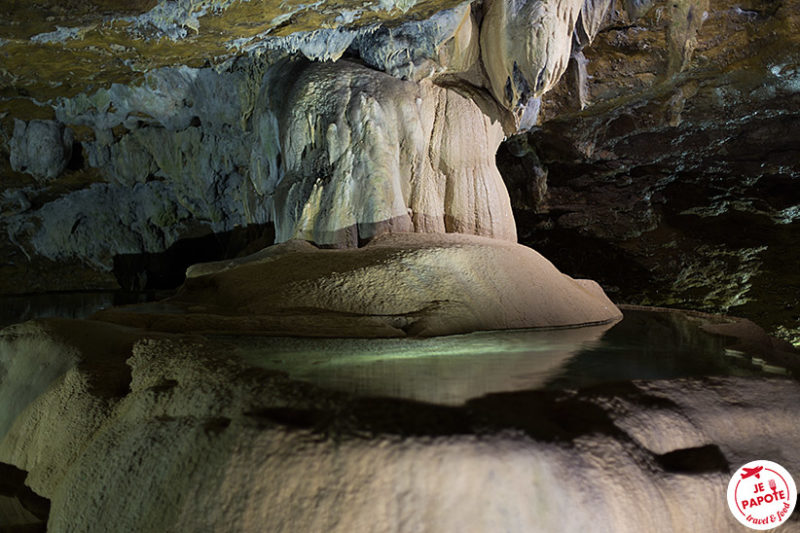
[363, 153]
[174, 147]
[324, 149]
[333, 153]
[526, 46]
[327, 151]
[397, 285]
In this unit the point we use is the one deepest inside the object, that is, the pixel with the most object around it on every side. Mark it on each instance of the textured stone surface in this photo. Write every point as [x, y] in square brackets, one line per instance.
[170, 432]
[41, 148]
[186, 148]
[446, 42]
[390, 155]
[674, 184]
[207, 149]
[195, 150]
[363, 153]
[526, 46]
[689, 99]
[399, 284]
[677, 185]
[86, 43]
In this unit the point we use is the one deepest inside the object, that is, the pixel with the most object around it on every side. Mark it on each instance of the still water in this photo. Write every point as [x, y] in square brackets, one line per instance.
[79, 304]
[451, 370]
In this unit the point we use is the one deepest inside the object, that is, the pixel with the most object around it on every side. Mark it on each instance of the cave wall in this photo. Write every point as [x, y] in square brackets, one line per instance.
[400, 135]
[676, 183]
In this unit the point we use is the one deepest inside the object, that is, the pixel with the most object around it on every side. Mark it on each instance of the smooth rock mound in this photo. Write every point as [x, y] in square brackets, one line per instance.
[399, 284]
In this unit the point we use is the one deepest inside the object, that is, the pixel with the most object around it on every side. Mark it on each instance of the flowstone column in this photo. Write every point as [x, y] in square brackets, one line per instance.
[364, 153]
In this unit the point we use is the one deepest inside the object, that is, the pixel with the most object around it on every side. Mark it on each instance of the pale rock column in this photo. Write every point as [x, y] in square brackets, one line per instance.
[363, 153]
[526, 45]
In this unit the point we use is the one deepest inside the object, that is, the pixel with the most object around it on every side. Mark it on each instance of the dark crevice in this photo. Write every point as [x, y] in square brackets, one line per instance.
[167, 270]
[310, 419]
[582, 255]
[22, 509]
[699, 460]
[215, 426]
[76, 162]
[620, 27]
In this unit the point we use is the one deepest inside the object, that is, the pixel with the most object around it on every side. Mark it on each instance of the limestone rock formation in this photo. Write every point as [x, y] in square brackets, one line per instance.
[675, 188]
[372, 128]
[447, 42]
[526, 46]
[363, 152]
[397, 285]
[213, 148]
[41, 148]
[164, 104]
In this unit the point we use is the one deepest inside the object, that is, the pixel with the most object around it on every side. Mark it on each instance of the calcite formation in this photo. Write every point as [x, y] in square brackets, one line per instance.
[169, 112]
[400, 136]
[42, 148]
[675, 189]
[326, 150]
[526, 46]
[363, 152]
[405, 284]
[372, 128]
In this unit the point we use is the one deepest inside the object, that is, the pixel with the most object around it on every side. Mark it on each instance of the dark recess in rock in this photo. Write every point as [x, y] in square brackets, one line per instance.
[37, 508]
[167, 269]
[708, 458]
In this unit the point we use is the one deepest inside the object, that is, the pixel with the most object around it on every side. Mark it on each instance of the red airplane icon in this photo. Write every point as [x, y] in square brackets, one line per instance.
[752, 472]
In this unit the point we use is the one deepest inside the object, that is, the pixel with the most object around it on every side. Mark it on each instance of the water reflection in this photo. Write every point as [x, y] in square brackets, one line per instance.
[451, 370]
[652, 345]
[19, 308]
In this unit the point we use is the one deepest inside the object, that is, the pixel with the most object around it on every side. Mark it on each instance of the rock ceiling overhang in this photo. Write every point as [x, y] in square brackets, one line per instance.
[54, 49]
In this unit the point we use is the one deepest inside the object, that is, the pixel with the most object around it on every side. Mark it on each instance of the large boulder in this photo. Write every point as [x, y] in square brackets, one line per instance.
[399, 284]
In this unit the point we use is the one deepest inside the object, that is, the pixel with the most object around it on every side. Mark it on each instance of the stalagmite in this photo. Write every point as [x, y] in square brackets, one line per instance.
[363, 153]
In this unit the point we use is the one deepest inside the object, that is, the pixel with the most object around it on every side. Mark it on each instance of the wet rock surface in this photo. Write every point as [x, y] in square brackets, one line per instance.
[664, 163]
[219, 442]
[687, 131]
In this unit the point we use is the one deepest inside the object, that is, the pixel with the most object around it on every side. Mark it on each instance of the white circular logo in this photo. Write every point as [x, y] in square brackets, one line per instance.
[762, 494]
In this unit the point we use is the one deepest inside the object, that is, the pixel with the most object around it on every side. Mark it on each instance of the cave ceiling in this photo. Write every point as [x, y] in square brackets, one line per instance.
[59, 49]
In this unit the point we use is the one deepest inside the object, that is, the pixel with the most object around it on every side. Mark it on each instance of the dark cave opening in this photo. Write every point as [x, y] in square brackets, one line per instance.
[21, 509]
[167, 270]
